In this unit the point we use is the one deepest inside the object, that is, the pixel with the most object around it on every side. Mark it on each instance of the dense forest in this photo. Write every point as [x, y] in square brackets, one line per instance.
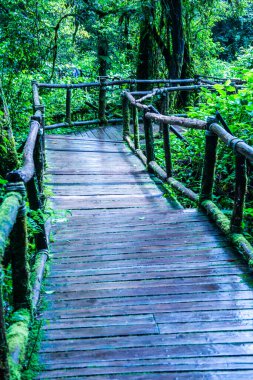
[78, 41]
[74, 41]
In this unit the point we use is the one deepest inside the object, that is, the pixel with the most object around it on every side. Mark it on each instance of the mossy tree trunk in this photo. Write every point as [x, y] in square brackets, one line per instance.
[145, 64]
[8, 153]
[103, 59]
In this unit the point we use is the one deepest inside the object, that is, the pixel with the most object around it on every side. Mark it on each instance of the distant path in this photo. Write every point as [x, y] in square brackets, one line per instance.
[138, 289]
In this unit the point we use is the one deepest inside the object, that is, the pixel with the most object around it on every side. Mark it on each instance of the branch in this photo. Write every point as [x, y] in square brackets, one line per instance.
[164, 49]
[56, 29]
[114, 11]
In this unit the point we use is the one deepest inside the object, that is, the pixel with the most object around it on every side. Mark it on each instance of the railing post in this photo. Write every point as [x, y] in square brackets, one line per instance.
[39, 155]
[149, 137]
[240, 191]
[41, 120]
[167, 148]
[39, 162]
[36, 99]
[136, 127]
[20, 265]
[68, 105]
[126, 115]
[164, 109]
[208, 173]
[102, 102]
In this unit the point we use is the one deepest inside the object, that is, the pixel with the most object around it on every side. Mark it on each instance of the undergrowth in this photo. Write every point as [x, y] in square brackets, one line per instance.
[236, 107]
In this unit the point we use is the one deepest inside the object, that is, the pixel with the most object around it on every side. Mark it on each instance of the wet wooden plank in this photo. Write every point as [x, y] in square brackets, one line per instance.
[202, 275]
[173, 351]
[138, 288]
[193, 375]
[146, 304]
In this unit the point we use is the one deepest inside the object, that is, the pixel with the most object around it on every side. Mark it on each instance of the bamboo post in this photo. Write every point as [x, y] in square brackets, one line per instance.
[36, 99]
[136, 127]
[68, 106]
[20, 266]
[149, 138]
[102, 102]
[126, 115]
[164, 109]
[208, 171]
[39, 156]
[167, 148]
[41, 120]
[240, 191]
[39, 162]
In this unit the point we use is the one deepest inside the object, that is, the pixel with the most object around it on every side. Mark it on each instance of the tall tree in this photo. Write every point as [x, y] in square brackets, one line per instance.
[174, 12]
[145, 64]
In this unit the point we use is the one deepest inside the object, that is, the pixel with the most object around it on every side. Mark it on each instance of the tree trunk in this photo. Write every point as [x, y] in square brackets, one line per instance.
[103, 57]
[173, 11]
[145, 65]
[8, 153]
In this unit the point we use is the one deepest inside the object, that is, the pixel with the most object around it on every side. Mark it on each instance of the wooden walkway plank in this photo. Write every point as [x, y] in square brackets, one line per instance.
[138, 288]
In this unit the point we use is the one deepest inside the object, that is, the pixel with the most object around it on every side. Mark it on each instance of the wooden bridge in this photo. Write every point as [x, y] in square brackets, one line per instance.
[138, 287]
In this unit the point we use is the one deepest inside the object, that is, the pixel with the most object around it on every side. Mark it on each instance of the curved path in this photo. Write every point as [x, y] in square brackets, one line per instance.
[138, 288]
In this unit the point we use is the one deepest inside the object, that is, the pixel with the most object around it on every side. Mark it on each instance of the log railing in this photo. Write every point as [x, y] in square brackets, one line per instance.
[102, 85]
[165, 86]
[24, 187]
[214, 132]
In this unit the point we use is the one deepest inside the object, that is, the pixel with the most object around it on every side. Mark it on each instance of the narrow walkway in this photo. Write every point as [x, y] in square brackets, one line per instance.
[138, 289]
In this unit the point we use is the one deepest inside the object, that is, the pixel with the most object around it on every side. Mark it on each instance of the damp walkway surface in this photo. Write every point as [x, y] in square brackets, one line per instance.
[138, 288]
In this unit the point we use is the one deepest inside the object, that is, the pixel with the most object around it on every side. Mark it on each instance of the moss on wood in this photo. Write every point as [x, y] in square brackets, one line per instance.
[8, 213]
[9, 158]
[17, 338]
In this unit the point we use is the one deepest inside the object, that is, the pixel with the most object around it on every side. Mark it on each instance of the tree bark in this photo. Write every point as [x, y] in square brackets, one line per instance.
[8, 153]
[145, 65]
[177, 37]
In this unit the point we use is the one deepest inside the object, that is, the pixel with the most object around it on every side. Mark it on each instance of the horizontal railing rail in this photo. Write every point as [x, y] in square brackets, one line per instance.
[214, 132]
[24, 187]
[164, 86]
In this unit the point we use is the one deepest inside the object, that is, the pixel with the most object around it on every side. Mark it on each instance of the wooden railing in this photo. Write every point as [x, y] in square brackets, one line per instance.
[105, 83]
[25, 185]
[214, 132]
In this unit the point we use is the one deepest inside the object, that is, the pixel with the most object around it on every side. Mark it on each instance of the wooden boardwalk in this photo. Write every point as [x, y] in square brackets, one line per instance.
[138, 288]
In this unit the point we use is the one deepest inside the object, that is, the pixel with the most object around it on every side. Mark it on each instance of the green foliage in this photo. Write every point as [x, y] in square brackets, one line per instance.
[32, 365]
[236, 107]
[234, 32]
[48, 40]
[9, 160]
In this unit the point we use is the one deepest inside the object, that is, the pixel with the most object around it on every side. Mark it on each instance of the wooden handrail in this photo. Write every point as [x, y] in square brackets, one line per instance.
[238, 145]
[115, 83]
[27, 182]
[178, 121]
[214, 132]
[26, 172]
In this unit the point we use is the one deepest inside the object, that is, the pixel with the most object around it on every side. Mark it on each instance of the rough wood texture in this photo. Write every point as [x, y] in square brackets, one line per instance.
[138, 289]
[26, 172]
[208, 171]
[179, 121]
